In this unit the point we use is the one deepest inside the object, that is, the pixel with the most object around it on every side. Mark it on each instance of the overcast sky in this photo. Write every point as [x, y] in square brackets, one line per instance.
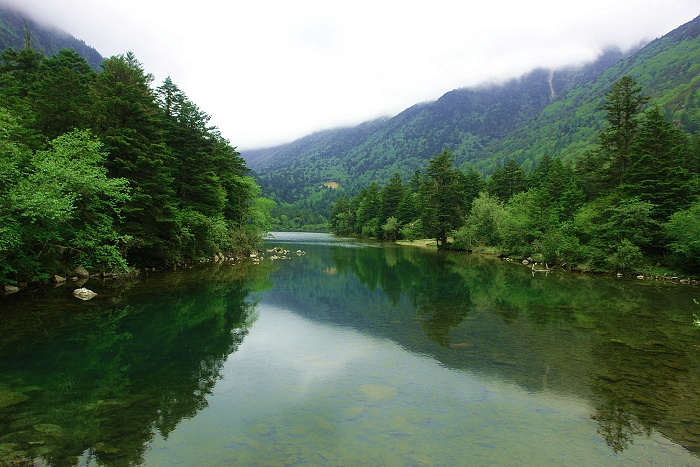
[271, 71]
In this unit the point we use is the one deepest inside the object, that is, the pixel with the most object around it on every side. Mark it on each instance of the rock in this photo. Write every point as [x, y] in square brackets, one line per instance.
[11, 289]
[81, 272]
[526, 262]
[640, 277]
[58, 279]
[84, 294]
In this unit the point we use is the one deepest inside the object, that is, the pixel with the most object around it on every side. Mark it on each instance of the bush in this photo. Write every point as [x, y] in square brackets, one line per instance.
[626, 258]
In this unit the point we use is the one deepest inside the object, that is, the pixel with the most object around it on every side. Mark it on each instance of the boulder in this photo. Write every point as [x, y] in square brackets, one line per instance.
[84, 294]
[81, 272]
[11, 289]
[58, 279]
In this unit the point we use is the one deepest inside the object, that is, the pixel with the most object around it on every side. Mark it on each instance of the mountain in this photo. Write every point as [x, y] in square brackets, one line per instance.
[46, 39]
[466, 120]
[543, 112]
[667, 69]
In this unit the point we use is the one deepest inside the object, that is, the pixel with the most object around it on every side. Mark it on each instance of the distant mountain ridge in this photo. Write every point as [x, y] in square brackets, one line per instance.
[48, 40]
[543, 112]
[467, 120]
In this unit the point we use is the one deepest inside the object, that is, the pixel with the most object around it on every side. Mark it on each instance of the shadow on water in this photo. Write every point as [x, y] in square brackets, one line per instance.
[626, 346]
[101, 378]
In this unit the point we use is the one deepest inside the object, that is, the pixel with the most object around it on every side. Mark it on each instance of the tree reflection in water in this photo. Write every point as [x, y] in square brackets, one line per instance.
[103, 377]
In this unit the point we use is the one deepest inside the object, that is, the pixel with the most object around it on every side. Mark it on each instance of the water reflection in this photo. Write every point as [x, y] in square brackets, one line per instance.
[626, 346]
[100, 378]
[375, 354]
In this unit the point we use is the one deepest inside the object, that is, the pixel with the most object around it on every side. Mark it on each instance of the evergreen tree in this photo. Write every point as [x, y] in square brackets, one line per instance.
[126, 117]
[443, 206]
[59, 96]
[472, 184]
[656, 173]
[623, 106]
[391, 196]
[507, 180]
[368, 211]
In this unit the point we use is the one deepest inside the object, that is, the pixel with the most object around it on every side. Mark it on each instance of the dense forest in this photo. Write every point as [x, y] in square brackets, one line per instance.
[630, 201]
[104, 170]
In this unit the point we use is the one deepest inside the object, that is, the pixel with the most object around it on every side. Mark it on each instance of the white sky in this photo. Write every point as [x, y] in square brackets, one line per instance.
[271, 71]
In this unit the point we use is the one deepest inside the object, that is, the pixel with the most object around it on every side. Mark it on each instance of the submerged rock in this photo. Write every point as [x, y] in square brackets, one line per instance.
[375, 392]
[8, 398]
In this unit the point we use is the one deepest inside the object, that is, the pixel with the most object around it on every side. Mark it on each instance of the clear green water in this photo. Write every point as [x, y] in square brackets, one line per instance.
[354, 354]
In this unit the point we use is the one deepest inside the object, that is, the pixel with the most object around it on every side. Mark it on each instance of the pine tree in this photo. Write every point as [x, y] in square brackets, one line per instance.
[656, 173]
[623, 106]
[443, 199]
[126, 117]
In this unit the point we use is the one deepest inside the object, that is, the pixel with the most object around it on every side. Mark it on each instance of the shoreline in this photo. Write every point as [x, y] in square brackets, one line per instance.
[431, 244]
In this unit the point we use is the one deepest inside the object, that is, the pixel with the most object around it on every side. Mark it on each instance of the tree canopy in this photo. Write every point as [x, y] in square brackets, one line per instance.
[105, 171]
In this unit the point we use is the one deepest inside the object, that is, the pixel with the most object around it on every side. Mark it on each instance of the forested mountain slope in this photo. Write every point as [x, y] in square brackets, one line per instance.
[466, 120]
[668, 69]
[543, 112]
[45, 39]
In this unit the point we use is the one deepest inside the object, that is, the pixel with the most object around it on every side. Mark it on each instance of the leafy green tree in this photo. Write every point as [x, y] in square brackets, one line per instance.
[62, 209]
[390, 228]
[608, 224]
[338, 215]
[683, 233]
[482, 226]
[443, 206]
[408, 209]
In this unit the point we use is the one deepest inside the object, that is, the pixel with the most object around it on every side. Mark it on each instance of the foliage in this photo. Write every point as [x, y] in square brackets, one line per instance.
[101, 170]
[614, 211]
[442, 197]
[683, 232]
[63, 205]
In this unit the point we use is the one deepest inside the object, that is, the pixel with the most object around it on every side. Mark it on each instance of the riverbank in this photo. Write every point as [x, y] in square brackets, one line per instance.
[646, 273]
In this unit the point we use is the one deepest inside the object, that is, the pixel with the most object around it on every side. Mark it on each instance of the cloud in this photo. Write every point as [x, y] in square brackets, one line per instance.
[269, 72]
[321, 35]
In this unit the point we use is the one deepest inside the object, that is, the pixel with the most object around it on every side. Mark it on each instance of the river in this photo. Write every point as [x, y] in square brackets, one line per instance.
[352, 353]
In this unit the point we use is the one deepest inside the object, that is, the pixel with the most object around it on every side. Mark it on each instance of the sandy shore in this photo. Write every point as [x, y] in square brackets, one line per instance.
[421, 243]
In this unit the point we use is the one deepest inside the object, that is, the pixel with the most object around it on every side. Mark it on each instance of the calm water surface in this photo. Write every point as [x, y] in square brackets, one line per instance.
[352, 354]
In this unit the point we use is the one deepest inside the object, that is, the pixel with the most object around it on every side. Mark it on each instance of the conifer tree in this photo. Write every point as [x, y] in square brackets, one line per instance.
[623, 106]
[443, 202]
[126, 117]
